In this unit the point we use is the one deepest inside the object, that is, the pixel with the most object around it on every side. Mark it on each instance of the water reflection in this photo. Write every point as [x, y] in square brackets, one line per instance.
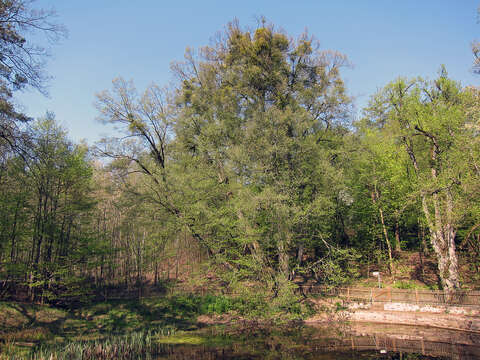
[358, 341]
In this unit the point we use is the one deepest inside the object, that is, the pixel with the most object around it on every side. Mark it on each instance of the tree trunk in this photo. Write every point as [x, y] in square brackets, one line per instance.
[375, 196]
[444, 246]
[254, 247]
[398, 248]
[283, 258]
[301, 248]
[442, 235]
[442, 231]
[283, 244]
[14, 233]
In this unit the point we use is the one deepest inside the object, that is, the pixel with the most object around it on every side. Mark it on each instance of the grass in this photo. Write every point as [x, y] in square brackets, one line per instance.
[370, 284]
[409, 284]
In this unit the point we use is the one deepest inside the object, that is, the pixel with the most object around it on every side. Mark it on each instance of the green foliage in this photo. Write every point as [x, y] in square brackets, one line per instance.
[45, 236]
[340, 267]
[249, 170]
[430, 123]
[249, 304]
[410, 284]
[340, 307]
[405, 285]
[249, 166]
[221, 304]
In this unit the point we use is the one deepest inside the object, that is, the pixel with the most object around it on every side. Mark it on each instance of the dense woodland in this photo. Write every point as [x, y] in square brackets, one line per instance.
[254, 165]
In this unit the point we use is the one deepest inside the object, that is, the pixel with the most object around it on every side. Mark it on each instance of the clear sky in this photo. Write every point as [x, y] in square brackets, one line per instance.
[138, 40]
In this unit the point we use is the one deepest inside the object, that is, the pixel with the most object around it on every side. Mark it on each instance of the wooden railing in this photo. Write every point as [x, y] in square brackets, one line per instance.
[412, 296]
[387, 343]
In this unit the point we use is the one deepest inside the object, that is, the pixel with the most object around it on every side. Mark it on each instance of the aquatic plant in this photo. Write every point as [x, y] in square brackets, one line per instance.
[132, 346]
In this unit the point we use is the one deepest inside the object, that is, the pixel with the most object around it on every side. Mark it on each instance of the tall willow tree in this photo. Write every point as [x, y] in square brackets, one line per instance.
[262, 112]
[251, 170]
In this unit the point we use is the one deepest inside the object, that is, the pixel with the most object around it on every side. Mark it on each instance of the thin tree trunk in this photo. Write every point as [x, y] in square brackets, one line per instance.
[398, 248]
[375, 197]
[283, 243]
[14, 233]
[301, 248]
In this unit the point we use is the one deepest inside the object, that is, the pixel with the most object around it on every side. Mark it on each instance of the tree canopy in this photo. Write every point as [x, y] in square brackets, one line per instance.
[249, 165]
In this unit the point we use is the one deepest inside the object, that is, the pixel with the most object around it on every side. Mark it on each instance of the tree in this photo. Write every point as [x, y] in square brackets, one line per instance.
[380, 174]
[257, 119]
[22, 62]
[428, 121]
[44, 217]
[476, 51]
[265, 112]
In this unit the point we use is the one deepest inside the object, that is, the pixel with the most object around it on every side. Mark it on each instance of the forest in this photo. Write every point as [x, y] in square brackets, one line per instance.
[252, 173]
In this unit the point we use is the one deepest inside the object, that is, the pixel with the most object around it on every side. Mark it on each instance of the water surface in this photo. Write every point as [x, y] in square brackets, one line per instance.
[358, 341]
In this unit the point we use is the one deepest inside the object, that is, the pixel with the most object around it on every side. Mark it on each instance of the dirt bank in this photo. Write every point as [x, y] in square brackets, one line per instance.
[445, 317]
[445, 321]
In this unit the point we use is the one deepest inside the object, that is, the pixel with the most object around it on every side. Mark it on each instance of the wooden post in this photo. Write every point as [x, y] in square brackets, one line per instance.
[371, 295]
[416, 295]
[348, 294]
[390, 294]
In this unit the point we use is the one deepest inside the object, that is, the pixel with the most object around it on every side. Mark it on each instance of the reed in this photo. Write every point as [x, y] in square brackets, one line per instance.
[136, 345]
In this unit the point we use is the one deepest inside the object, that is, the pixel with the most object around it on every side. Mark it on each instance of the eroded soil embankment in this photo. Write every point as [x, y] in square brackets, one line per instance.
[446, 317]
[445, 321]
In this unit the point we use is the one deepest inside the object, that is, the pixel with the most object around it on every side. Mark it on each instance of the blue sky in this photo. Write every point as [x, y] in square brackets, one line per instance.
[138, 40]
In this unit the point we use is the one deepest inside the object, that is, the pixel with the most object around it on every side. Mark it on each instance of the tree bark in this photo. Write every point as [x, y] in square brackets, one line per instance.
[442, 235]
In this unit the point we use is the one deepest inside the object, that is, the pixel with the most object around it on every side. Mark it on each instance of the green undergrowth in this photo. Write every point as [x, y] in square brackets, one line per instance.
[409, 284]
[399, 284]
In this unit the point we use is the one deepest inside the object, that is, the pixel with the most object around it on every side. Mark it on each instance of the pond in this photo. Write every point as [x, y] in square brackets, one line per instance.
[252, 340]
[357, 341]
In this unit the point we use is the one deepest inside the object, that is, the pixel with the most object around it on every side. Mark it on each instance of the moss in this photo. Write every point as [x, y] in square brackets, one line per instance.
[182, 339]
